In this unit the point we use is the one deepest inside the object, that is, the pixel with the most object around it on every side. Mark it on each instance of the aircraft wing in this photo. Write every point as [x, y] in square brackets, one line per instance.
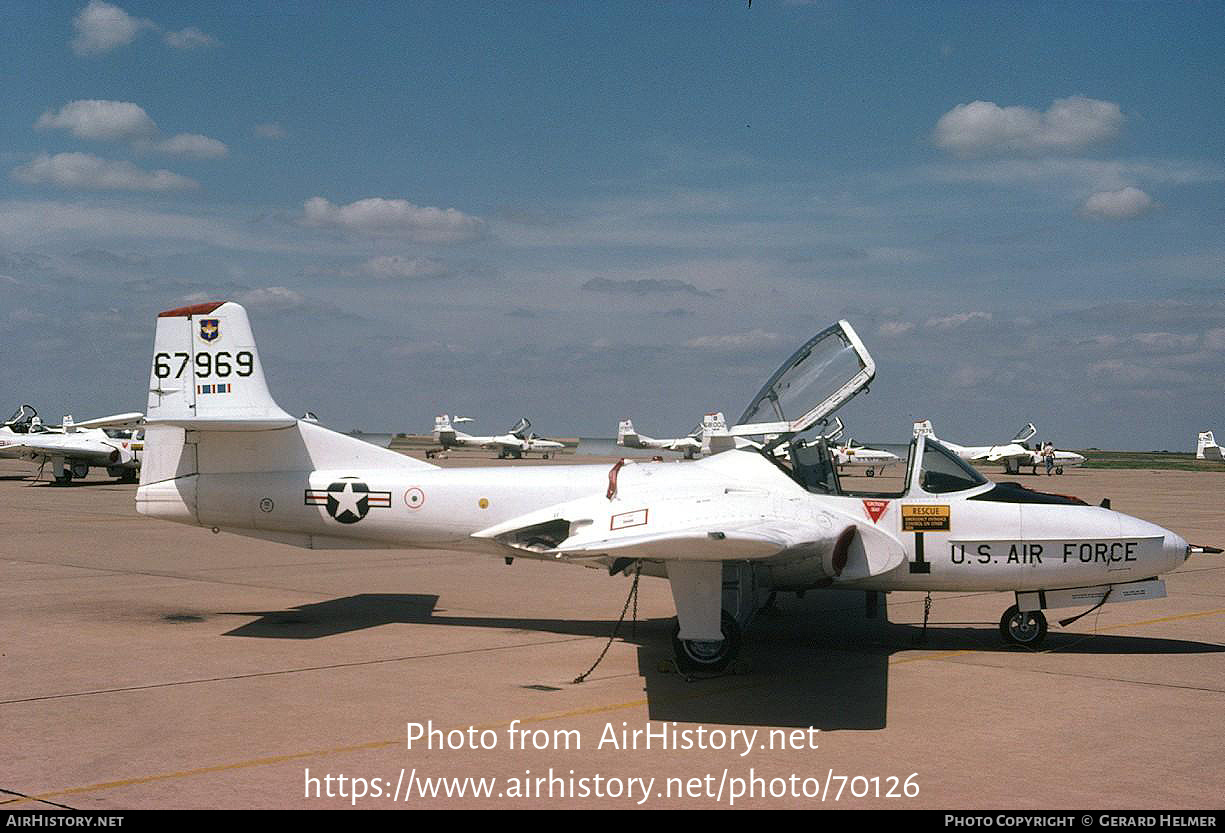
[130, 420]
[1006, 452]
[94, 452]
[725, 526]
[684, 444]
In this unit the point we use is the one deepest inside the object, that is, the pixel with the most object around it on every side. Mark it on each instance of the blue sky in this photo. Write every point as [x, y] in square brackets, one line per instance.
[581, 212]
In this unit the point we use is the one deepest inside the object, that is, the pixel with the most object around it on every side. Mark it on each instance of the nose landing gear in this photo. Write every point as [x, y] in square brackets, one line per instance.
[1025, 628]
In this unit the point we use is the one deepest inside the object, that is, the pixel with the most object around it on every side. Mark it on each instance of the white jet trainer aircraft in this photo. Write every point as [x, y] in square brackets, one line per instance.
[1207, 448]
[73, 447]
[690, 445]
[220, 453]
[516, 442]
[1013, 454]
[852, 456]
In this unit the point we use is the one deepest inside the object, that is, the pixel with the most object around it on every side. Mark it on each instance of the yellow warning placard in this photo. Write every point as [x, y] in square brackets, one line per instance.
[925, 518]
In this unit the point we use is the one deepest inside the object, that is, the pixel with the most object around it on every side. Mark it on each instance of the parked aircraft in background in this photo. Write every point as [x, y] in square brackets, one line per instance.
[514, 443]
[723, 530]
[1013, 455]
[1207, 448]
[852, 456]
[73, 447]
[690, 446]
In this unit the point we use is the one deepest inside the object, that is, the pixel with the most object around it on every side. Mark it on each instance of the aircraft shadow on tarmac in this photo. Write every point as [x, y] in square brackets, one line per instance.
[812, 662]
[51, 484]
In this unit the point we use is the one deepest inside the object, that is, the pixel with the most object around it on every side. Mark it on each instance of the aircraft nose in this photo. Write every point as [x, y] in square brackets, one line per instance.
[1176, 549]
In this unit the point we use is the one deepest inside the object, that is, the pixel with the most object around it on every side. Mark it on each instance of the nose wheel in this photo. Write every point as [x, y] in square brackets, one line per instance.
[694, 655]
[1026, 628]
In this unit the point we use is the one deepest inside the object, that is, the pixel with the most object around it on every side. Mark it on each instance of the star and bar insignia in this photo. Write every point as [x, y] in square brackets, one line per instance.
[348, 500]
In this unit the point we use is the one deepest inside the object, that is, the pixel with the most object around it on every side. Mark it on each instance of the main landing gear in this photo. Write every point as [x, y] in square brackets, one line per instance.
[696, 656]
[1024, 628]
[65, 472]
[699, 589]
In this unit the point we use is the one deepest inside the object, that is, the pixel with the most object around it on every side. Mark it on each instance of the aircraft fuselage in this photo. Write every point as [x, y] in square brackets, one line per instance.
[952, 541]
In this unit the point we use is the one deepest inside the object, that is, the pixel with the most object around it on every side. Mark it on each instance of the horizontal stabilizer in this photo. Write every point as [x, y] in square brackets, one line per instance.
[128, 420]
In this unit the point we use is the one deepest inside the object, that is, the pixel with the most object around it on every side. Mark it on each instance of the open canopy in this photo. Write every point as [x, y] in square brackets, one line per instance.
[818, 379]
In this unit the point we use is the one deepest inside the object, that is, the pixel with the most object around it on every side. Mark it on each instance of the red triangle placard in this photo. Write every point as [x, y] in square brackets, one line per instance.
[875, 508]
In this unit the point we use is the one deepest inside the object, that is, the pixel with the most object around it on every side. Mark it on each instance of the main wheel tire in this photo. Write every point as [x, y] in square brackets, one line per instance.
[1023, 628]
[1058, 469]
[707, 657]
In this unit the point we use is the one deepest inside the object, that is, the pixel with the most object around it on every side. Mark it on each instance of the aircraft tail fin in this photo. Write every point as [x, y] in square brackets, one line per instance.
[210, 411]
[444, 432]
[626, 435]
[715, 435]
[923, 428]
[1207, 448]
[207, 374]
[68, 425]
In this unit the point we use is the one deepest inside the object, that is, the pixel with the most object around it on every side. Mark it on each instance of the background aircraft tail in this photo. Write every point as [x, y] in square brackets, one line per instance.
[626, 435]
[444, 432]
[1207, 448]
[210, 413]
[923, 428]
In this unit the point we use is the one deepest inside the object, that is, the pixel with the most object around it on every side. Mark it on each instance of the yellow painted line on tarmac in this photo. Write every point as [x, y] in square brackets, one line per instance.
[361, 747]
[204, 770]
[944, 655]
[1216, 612]
[381, 744]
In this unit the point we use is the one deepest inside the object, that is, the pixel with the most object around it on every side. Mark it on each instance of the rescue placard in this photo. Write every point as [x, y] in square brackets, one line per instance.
[925, 518]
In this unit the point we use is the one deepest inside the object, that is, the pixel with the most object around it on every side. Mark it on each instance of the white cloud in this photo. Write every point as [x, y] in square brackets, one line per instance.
[970, 376]
[127, 122]
[189, 38]
[84, 170]
[1069, 124]
[895, 328]
[1118, 371]
[271, 297]
[269, 130]
[951, 322]
[96, 119]
[394, 266]
[193, 145]
[1123, 204]
[1167, 341]
[395, 217]
[101, 27]
[1076, 174]
[642, 286]
[752, 338]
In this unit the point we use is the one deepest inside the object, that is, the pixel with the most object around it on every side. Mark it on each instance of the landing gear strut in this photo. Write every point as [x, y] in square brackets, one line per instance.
[700, 588]
[1026, 628]
[708, 657]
